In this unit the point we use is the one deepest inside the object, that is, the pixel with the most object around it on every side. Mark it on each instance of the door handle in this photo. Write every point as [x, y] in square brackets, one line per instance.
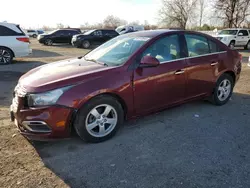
[179, 72]
[214, 63]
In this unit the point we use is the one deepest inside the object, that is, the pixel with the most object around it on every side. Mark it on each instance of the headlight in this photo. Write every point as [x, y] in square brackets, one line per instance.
[46, 98]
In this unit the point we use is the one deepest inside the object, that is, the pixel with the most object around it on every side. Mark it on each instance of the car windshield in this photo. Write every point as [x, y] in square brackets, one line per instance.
[88, 32]
[119, 29]
[116, 51]
[51, 32]
[228, 32]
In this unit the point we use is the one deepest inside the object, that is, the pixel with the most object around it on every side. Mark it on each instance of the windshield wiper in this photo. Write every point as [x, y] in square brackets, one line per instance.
[95, 61]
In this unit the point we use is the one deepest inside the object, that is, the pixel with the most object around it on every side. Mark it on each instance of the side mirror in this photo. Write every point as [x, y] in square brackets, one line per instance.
[149, 61]
[240, 34]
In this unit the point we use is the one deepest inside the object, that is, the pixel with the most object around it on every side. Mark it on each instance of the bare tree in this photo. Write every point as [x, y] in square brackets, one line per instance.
[201, 9]
[59, 26]
[113, 22]
[232, 12]
[177, 13]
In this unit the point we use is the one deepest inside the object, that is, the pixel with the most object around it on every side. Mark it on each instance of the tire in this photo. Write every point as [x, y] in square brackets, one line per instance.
[247, 47]
[98, 119]
[86, 44]
[6, 56]
[34, 36]
[48, 42]
[223, 90]
[231, 45]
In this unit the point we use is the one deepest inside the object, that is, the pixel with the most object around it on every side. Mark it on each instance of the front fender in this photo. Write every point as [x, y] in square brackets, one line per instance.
[117, 84]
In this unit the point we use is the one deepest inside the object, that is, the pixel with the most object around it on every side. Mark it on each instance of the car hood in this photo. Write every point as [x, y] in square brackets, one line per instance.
[60, 74]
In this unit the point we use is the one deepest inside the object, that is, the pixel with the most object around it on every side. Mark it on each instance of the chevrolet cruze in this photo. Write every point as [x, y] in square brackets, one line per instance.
[129, 76]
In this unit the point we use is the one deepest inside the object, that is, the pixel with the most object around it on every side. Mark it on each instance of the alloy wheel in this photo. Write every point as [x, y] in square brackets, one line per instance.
[101, 120]
[224, 90]
[5, 56]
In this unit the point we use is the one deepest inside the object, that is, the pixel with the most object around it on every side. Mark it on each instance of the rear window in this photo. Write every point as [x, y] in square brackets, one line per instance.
[111, 32]
[5, 31]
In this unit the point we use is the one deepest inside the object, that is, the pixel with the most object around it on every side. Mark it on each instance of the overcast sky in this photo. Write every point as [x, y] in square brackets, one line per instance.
[32, 13]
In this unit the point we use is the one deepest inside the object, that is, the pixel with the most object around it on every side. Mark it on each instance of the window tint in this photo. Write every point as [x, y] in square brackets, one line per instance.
[197, 45]
[97, 33]
[244, 32]
[109, 32]
[31, 31]
[164, 49]
[5, 31]
[213, 47]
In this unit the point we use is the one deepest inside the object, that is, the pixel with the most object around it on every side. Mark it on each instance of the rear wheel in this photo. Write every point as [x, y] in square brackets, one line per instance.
[48, 42]
[99, 119]
[232, 45]
[247, 47]
[223, 90]
[34, 36]
[85, 44]
[6, 56]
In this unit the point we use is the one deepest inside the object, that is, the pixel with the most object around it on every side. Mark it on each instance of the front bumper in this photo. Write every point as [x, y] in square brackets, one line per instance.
[76, 43]
[43, 123]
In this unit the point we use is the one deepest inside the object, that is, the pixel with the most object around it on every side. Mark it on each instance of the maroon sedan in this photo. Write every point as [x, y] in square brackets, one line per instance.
[129, 76]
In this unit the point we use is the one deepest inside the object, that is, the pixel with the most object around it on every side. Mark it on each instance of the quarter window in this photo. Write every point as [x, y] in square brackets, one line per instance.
[164, 49]
[197, 45]
[5, 31]
[214, 47]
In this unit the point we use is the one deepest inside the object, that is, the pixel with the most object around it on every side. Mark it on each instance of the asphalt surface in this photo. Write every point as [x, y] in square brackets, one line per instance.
[193, 145]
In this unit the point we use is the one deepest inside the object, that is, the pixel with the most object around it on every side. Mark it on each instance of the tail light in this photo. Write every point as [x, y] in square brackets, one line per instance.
[23, 39]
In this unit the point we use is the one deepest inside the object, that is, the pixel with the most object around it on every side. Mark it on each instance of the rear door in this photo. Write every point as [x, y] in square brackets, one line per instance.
[203, 59]
[109, 34]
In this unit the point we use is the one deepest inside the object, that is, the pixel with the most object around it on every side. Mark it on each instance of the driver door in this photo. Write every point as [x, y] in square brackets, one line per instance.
[158, 87]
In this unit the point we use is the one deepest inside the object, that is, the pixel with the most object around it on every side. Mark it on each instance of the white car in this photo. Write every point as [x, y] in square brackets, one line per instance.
[13, 42]
[32, 33]
[128, 28]
[235, 38]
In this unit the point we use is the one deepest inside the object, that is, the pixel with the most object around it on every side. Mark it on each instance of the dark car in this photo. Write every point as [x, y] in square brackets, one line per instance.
[58, 36]
[129, 76]
[93, 37]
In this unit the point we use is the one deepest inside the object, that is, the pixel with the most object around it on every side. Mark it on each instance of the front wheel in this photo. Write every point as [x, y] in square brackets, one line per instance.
[223, 90]
[99, 119]
[48, 42]
[232, 45]
[85, 44]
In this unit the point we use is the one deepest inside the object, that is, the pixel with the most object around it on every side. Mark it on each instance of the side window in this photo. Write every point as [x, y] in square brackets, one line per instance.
[98, 33]
[164, 49]
[244, 32]
[196, 45]
[214, 47]
[5, 31]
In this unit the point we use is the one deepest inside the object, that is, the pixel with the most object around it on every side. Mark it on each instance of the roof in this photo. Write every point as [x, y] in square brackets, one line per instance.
[235, 28]
[150, 33]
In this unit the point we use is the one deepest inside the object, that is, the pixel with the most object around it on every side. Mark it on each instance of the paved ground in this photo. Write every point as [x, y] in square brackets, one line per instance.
[193, 145]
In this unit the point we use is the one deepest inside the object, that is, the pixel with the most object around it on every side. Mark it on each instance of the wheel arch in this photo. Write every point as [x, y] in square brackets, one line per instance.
[229, 72]
[8, 49]
[114, 95]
